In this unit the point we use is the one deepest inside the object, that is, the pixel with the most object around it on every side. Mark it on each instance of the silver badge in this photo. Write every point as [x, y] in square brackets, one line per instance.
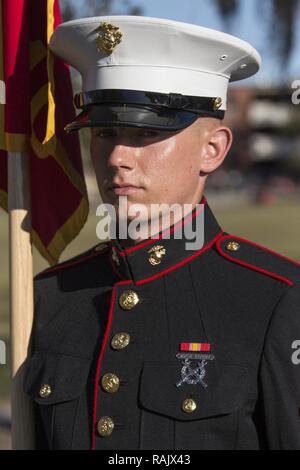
[193, 375]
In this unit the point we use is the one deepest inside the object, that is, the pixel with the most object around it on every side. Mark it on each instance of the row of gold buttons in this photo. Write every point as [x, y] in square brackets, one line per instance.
[110, 382]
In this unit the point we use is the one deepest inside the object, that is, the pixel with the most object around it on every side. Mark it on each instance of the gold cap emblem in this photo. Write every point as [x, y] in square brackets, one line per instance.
[156, 254]
[217, 103]
[109, 37]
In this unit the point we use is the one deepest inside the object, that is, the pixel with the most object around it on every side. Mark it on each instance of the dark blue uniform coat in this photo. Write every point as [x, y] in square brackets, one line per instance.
[233, 295]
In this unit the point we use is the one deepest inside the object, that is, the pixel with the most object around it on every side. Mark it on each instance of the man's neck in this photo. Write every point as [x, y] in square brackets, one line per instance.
[156, 226]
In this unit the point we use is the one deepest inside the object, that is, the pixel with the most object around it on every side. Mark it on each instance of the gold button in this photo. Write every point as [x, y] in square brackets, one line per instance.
[110, 383]
[233, 246]
[120, 341]
[156, 254]
[189, 405]
[45, 391]
[105, 426]
[128, 299]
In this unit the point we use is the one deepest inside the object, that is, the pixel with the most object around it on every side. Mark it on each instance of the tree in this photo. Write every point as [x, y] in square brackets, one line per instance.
[284, 13]
[72, 8]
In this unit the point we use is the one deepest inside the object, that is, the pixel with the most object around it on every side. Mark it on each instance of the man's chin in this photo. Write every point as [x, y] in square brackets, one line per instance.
[128, 203]
[118, 200]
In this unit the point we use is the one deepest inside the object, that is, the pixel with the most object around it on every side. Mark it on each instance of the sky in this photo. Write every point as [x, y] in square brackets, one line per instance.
[252, 25]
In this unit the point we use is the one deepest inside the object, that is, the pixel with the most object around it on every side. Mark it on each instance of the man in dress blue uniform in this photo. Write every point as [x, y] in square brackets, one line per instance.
[146, 343]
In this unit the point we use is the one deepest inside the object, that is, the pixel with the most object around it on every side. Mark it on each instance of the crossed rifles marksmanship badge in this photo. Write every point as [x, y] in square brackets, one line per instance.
[194, 375]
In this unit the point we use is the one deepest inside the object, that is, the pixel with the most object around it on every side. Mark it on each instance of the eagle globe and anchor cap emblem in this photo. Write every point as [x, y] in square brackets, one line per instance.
[109, 37]
[156, 254]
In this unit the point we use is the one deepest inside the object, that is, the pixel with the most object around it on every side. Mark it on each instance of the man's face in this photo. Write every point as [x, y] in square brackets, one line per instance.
[155, 166]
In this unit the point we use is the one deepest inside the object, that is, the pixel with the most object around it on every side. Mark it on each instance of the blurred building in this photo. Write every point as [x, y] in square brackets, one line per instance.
[266, 151]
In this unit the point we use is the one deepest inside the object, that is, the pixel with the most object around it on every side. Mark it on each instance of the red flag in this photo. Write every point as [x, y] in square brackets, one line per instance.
[39, 103]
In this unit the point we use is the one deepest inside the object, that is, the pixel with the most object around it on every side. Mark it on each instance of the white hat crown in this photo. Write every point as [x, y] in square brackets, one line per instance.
[156, 55]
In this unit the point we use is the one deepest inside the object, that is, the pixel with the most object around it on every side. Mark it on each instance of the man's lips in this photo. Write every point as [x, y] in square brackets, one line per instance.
[124, 188]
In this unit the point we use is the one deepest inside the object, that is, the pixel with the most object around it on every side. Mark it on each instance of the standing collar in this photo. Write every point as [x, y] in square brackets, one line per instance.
[169, 249]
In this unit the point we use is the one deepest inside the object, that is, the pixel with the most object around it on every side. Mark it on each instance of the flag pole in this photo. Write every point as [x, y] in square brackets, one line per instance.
[21, 295]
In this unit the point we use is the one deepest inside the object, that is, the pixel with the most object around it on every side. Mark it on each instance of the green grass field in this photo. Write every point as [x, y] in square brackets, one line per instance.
[277, 227]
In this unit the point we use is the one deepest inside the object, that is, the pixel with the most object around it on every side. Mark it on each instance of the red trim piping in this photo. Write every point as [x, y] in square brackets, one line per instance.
[107, 331]
[160, 236]
[96, 387]
[247, 265]
[264, 248]
[181, 263]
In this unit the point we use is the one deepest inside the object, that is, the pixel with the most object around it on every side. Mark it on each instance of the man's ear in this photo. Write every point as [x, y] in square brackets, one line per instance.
[217, 147]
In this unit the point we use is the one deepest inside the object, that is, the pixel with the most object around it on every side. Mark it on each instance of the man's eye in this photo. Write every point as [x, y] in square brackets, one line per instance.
[148, 134]
[104, 133]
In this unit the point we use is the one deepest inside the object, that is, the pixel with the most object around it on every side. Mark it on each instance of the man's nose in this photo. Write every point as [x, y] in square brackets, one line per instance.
[123, 156]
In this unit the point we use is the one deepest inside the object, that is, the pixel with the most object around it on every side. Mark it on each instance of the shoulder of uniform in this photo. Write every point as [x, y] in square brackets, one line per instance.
[259, 258]
[84, 257]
